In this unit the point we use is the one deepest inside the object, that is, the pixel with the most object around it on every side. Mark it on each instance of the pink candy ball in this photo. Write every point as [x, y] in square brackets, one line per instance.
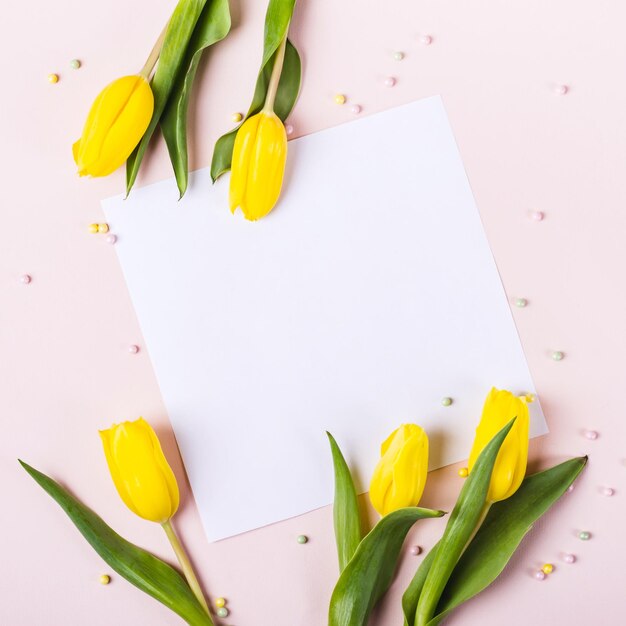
[133, 349]
[570, 488]
[608, 491]
[539, 575]
[111, 238]
[25, 279]
[415, 550]
[536, 216]
[591, 434]
[425, 40]
[569, 558]
[390, 81]
[289, 129]
[355, 108]
[561, 90]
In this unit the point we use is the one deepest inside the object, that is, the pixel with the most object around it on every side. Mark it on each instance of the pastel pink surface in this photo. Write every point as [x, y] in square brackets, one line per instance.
[66, 370]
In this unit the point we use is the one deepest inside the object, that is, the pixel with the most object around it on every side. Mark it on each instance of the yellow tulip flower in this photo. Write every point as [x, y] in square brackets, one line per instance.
[258, 165]
[115, 125]
[140, 470]
[400, 476]
[259, 154]
[510, 466]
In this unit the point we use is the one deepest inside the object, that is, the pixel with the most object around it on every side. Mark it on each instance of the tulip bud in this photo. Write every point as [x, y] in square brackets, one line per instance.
[140, 470]
[400, 476]
[258, 165]
[510, 466]
[116, 123]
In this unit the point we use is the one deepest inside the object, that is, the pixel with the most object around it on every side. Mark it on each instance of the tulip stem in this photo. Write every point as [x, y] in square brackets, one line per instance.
[146, 70]
[277, 70]
[185, 564]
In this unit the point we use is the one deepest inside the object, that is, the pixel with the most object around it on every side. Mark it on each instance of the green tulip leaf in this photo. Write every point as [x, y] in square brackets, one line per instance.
[502, 531]
[413, 591]
[369, 573]
[346, 508]
[142, 569]
[277, 21]
[213, 25]
[173, 53]
[465, 518]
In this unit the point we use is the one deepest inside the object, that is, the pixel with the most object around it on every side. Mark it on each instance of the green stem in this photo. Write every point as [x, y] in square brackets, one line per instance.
[153, 57]
[277, 70]
[185, 564]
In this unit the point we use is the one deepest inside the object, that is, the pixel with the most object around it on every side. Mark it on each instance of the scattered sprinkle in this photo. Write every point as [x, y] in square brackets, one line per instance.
[111, 238]
[340, 99]
[536, 216]
[557, 355]
[415, 550]
[25, 279]
[355, 108]
[75, 64]
[548, 568]
[539, 575]
[93, 228]
[446, 401]
[608, 491]
[133, 349]
[223, 612]
[220, 602]
[520, 303]
[103, 228]
[570, 488]
[236, 117]
[390, 81]
[584, 535]
[529, 397]
[463, 472]
[289, 129]
[569, 558]
[591, 434]
[398, 56]
[425, 40]
[561, 90]
[53, 78]
[105, 579]
[302, 539]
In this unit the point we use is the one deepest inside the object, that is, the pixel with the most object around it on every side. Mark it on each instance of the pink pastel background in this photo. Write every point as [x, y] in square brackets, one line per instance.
[65, 370]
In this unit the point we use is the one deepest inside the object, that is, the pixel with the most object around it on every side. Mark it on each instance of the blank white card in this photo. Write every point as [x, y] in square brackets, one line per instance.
[366, 296]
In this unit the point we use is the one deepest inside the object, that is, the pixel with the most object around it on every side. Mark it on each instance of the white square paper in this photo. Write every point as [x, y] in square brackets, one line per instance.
[364, 298]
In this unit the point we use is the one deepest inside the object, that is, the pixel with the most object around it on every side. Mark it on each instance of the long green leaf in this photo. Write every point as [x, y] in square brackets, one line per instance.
[346, 508]
[179, 32]
[502, 531]
[139, 567]
[464, 520]
[213, 25]
[368, 575]
[277, 21]
[413, 591]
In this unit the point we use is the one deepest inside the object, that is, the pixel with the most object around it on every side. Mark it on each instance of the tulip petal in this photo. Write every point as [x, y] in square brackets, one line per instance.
[244, 142]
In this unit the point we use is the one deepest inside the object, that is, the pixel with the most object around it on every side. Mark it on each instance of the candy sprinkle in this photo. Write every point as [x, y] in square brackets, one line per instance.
[446, 401]
[220, 602]
[53, 78]
[584, 535]
[236, 117]
[302, 539]
[463, 472]
[75, 64]
[340, 99]
[557, 355]
[105, 579]
[548, 568]
[223, 612]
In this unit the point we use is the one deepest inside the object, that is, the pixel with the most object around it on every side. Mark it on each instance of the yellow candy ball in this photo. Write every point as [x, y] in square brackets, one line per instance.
[548, 568]
[105, 579]
[236, 117]
[463, 473]
[220, 602]
[93, 228]
[340, 98]
[103, 228]
[53, 78]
